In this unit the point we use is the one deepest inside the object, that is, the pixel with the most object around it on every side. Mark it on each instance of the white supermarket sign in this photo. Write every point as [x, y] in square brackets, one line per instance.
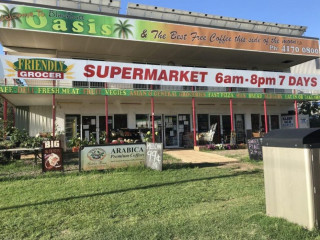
[115, 72]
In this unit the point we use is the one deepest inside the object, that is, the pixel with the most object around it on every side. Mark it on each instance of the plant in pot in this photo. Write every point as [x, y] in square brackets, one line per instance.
[75, 143]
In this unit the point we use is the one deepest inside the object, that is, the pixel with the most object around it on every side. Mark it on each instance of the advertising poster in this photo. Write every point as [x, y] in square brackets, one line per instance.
[52, 159]
[103, 157]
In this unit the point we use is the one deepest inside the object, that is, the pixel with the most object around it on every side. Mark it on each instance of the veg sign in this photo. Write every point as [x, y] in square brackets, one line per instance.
[68, 22]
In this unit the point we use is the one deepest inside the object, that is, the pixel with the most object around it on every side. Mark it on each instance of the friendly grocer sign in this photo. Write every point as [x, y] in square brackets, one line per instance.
[37, 68]
[22, 17]
[128, 73]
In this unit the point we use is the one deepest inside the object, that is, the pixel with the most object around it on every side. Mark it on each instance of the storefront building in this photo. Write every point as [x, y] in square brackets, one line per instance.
[67, 67]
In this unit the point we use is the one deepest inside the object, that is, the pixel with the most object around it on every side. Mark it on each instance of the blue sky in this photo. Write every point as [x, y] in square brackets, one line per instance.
[294, 12]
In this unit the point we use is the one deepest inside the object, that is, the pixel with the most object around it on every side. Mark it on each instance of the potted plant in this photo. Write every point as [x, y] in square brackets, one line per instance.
[75, 143]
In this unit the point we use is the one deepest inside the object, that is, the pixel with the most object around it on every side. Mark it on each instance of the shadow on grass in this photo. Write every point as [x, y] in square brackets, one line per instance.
[37, 172]
[127, 190]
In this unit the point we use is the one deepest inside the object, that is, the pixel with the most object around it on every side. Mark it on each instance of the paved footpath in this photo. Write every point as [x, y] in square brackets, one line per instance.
[191, 156]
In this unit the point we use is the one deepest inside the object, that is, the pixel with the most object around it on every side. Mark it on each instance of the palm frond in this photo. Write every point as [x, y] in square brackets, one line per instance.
[119, 35]
[130, 32]
[12, 10]
[4, 12]
[6, 8]
[128, 26]
[126, 34]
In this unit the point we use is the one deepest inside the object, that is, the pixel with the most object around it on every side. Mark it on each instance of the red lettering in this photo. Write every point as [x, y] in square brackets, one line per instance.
[148, 75]
[314, 82]
[163, 76]
[194, 76]
[173, 75]
[184, 76]
[292, 81]
[306, 80]
[99, 71]
[299, 82]
[89, 71]
[137, 73]
[203, 76]
[115, 71]
[126, 71]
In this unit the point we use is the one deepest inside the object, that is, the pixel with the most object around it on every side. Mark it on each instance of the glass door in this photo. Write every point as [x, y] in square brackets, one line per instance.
[185, 135]
[89, 127]
[240, 129]
[171, 131]
[72, 127]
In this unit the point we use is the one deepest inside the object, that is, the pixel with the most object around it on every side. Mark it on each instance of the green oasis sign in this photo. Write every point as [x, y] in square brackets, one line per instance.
[17, 16]
[151, 93]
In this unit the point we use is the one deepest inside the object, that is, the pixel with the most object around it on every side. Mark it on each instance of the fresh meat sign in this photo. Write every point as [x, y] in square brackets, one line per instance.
[114, 72]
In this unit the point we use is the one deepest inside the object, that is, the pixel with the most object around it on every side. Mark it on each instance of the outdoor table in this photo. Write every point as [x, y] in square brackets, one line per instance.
[35, 151]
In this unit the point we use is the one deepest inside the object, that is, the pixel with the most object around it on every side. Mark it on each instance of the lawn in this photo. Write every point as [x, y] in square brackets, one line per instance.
[184, 201]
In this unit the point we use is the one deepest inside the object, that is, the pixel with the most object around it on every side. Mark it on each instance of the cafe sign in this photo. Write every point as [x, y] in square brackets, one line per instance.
[16, 16]
[103, 157]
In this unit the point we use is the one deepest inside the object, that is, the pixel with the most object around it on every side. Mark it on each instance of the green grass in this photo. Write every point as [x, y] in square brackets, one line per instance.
[181, 202]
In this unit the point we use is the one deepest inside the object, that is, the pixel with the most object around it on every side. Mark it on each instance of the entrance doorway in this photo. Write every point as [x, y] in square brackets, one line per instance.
[89, 127]
[171, 131]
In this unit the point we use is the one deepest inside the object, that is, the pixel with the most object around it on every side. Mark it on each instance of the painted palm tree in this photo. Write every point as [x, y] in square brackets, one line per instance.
[9, 16]
[123, 29]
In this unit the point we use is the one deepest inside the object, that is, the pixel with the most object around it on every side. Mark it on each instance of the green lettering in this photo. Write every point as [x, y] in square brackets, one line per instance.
[106, 30]
[36, 21]
[59, 25]
[77, 27]
[92, 26]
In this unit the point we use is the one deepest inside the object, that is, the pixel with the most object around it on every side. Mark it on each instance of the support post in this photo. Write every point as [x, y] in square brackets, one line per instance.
[106, 108]
[231, 112]
[5, 108]
[194, 120]
[152, 117]
[296, 113]
[265, 113]
[54, 112]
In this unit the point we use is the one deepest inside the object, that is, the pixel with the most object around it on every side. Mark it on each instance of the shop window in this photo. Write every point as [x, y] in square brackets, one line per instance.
[226, 124]
[240, 128]
[275, 122]
[102, 123]
[120, 121]
[97, 84]
[72, 127]
[255, 122]
[203, 123]
[201, 88]
[142, 121]
[140, 86]
[215, 119]
[80, 84]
